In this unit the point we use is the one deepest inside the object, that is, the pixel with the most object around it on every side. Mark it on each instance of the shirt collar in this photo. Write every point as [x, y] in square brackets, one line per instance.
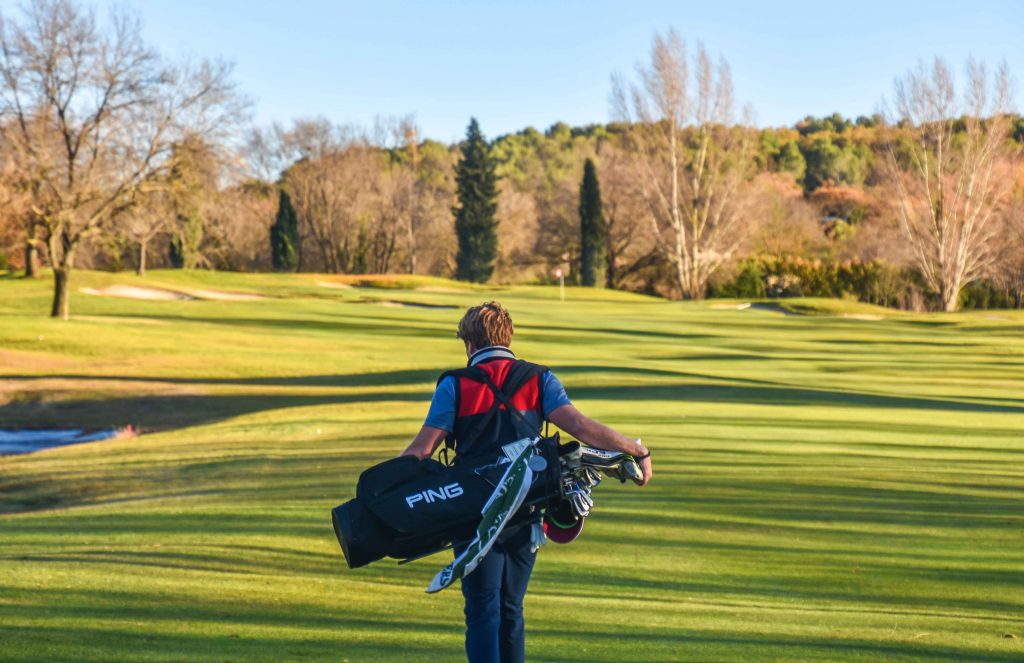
[490, 352]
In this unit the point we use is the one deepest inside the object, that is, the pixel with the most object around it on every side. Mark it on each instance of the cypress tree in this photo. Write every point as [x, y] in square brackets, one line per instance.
[592, 229]
[475, 225]
[284, 236]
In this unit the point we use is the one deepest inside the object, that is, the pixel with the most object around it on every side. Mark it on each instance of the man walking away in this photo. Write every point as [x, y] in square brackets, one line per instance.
[464, 411]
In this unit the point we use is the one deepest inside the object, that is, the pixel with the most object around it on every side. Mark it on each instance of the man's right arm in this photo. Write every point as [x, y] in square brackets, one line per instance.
[596, 434]
[440, 420]
[425, 443]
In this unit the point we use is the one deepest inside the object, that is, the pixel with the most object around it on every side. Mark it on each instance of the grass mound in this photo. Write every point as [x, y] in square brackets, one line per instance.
[827, 488]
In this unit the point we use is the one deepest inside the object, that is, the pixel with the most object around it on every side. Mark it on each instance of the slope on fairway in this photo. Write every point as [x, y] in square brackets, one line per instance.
[827, 488]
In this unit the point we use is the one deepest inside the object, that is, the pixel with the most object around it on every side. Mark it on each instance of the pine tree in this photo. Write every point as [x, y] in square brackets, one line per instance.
[284, 236]
[475, 225]
[592, 229]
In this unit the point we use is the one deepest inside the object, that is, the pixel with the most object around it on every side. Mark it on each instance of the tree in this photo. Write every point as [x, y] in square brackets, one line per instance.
[144, 222]
[16, 228]
[957, 174]
[593, 232]
[93, 116]
[694, 175]
[475, 224]
[628, 249]
[789, 226]
[237, 224]
[191, 185]
[335, 197]
[791, 160]
[284, 235]
[410, 188]
[546, 168]
[838, 162]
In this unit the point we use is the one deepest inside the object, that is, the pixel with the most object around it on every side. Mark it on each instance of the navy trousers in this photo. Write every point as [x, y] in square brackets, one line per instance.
[494, 593]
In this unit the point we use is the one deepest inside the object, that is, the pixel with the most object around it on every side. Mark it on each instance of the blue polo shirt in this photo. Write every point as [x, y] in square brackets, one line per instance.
[442, 406]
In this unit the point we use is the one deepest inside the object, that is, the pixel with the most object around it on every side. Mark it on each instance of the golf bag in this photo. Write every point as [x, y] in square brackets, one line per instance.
[406, 507]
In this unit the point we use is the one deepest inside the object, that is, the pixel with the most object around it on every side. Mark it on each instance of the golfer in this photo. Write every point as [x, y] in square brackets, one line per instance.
[464, 411]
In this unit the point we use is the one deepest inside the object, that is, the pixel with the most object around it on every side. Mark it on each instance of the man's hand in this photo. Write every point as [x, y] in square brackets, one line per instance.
[647, 469]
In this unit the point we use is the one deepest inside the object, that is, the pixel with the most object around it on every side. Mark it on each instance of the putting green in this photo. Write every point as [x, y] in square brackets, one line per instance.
[827, 487]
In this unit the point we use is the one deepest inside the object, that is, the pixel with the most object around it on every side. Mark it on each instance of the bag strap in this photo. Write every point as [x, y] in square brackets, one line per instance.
[517, 376]
[517, 416]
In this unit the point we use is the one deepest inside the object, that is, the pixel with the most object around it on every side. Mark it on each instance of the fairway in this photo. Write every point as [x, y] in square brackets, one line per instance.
[828, 486]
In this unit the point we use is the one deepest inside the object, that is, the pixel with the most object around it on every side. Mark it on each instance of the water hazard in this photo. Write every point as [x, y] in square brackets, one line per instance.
[28, 440]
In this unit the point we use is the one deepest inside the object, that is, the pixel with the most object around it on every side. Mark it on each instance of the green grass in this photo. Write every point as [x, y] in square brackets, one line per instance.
[826, 488]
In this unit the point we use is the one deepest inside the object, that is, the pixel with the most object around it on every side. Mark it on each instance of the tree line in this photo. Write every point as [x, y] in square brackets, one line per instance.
[113, 157]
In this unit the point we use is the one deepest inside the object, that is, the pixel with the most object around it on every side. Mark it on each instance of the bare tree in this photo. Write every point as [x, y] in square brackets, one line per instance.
[238, 220]
[518, 233]
[629, 248]
[94, 115]
[695, 161]
[334, 197]
[402, 190]
[1008, 272]
[789, 225]
[432, 242]
[16, 227]
[270, 151]
[954, 176]
[144, 222]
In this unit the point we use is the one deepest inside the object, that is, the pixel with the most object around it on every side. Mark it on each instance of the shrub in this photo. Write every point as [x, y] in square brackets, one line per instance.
[873, 282]
[748, 284]
[983, 295]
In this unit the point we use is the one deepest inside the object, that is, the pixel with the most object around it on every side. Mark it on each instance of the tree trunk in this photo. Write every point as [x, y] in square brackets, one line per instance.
[412, 247]
[61, 255]
[680, 276]
[31, 253]
[141, 270]
[61, 305]
[950, 297]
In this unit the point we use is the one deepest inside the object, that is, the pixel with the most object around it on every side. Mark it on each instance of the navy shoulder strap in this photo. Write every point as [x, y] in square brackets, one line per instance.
[517, 376]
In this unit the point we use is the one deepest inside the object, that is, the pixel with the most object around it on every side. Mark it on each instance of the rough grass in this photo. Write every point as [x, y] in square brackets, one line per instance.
[826, 488]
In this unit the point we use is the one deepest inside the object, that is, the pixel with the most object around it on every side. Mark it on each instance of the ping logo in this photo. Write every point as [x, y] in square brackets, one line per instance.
[430, 495]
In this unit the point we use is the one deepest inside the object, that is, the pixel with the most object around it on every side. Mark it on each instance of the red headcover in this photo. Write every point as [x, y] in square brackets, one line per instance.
[561, 525]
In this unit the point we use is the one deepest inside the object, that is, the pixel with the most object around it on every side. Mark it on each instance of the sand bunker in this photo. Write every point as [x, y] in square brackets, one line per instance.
[336, 286]
[398, 303]
[441, 289]
[135, 292]
[163, 294]
[221, 295]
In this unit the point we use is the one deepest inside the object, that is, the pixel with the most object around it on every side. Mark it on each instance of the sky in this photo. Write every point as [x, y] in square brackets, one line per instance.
[534, 63]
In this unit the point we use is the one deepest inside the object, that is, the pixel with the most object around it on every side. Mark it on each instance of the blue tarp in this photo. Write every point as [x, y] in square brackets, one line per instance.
[29, 440]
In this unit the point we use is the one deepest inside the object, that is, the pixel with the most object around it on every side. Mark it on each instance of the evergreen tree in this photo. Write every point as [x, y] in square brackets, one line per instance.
[593, 232]
[186, 239]
[284, 236]
[791, 160]
[475, 225]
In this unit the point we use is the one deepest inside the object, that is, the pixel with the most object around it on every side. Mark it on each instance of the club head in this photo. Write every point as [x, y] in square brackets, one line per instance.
[631, 470]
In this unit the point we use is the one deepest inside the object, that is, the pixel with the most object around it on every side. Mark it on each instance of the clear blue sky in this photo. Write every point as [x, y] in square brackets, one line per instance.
[523, 63]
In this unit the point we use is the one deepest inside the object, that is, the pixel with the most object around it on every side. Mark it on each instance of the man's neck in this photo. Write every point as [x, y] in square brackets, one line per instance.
[490, 352]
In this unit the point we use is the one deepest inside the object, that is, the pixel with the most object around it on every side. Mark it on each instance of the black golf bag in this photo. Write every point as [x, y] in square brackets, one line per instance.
[406, 507]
